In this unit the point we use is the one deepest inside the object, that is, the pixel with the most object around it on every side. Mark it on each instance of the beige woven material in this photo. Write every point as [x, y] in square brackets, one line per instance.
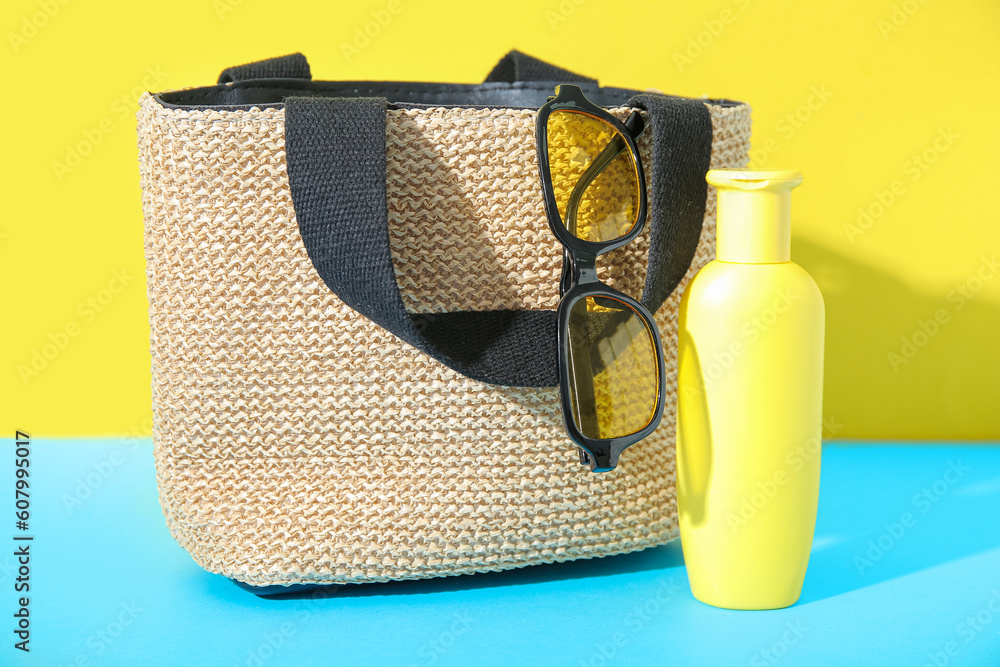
[297, 442]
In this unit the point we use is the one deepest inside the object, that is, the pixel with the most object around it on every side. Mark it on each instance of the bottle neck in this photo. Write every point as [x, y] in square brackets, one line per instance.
[754, 226]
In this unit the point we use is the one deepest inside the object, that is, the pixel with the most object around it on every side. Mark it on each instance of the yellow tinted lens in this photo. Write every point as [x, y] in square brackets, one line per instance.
[613, 373]
[594, 176]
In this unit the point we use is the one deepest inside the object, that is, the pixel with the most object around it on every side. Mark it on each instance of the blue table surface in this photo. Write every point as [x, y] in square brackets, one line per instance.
[109, 586]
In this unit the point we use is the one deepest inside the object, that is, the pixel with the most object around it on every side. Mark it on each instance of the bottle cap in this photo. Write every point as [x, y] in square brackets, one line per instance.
[752, 178]
[754, 214]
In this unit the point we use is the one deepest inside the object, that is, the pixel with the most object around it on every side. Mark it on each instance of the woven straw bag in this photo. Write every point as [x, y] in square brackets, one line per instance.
[299, 442]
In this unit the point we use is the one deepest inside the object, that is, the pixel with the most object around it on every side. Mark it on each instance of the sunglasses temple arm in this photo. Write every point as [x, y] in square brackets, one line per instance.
[606, 157]
[635, 124]
[583, 386]
[567, 279]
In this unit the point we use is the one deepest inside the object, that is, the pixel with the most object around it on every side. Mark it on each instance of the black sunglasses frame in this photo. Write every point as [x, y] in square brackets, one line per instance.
[579, 277]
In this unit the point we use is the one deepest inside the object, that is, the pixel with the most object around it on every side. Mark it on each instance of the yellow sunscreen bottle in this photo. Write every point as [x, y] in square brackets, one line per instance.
[750, 396]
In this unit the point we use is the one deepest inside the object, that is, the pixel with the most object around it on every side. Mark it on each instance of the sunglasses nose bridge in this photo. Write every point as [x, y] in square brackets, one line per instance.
[577, 269]
[586, 269]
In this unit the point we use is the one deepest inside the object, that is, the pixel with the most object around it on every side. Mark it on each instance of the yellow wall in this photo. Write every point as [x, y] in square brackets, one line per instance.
[888, 106]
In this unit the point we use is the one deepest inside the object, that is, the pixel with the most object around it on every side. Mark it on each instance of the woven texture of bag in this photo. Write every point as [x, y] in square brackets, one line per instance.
[298, 442]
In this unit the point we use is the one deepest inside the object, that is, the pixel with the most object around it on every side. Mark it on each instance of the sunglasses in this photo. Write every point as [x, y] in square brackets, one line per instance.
[611, 370]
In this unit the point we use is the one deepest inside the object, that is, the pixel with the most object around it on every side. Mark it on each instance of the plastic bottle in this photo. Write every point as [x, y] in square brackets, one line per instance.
[750, 395]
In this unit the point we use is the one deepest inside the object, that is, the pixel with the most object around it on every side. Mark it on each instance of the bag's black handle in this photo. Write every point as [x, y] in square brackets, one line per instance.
[335, 153]
[292, 66]
[517, 66]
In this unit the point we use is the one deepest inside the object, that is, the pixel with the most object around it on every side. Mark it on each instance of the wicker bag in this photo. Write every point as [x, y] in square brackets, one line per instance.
[297, 440]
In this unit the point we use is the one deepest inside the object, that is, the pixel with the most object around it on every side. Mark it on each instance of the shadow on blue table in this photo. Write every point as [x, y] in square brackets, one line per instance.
[909, 508]
[872, 527]
[659, 558]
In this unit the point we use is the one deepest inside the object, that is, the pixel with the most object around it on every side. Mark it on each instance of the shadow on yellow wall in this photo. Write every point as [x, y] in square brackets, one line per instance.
[904, 364]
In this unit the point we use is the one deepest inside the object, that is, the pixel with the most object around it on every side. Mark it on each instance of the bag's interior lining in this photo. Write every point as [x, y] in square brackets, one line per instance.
[272, 92]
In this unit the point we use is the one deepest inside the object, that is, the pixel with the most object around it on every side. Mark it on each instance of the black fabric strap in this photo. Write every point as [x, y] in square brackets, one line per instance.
[335, 152]
[676, 188]
[517, 66]
[292, 66]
